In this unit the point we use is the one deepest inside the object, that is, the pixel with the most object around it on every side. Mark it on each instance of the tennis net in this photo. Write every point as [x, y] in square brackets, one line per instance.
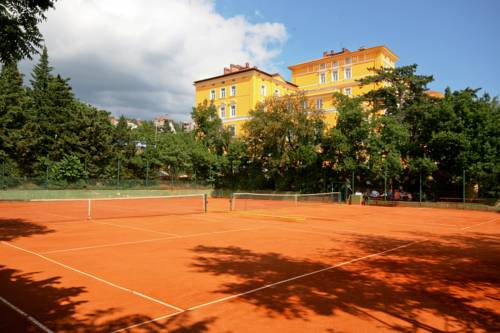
[250, 201]
[61, 210]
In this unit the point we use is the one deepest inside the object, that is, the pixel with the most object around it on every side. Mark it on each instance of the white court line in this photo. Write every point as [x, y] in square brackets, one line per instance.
[27, 316]
[107, 245]
[303, 275]
[270, 285]
[94, 277]
[134, 228]
[151, 240]
[477, 225]
[290, 279]
[148, 321]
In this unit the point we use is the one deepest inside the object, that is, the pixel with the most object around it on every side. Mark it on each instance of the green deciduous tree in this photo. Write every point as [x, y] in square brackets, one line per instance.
[283, 139]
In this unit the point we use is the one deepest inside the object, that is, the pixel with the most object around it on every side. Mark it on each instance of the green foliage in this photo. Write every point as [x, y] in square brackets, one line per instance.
[13, 101]
[283, 139]
[209, 129]
[19, 35]
[346, 145]
[69, 169]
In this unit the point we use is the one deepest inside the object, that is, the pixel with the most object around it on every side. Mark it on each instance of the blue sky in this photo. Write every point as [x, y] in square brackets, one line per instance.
[456, 41]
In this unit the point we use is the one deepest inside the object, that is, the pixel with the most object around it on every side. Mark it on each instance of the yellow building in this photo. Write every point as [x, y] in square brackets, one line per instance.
[238, 90]
[339, 72]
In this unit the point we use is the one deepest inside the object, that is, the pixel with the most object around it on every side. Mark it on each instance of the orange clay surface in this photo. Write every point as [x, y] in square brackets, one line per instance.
[266, 268]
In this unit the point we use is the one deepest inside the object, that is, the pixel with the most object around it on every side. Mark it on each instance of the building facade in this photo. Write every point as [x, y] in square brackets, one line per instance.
[238, 90]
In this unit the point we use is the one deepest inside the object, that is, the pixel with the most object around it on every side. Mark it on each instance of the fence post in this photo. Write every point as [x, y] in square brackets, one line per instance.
[47, 176]
[353, 183]
[118, 175]
[463, 185]
[420, 188]
[385, 181]
[147, 172]
[3, 175]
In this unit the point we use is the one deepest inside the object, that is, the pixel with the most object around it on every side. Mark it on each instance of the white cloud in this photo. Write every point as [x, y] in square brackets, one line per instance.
[140, 58]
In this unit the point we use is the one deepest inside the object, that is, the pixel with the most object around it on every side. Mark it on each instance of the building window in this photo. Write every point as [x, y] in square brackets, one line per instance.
[304, 104]
[212, 95]
[347, 73]
[233, 90]
[232, 130]
[222, 92]
[319, 103]
[233, 110]
[322, 78]
[263, 90]
[276, 92]
[322, 67]
[222, 111]
[335, 64]
[348, 61]
[335, 75]
[348, 91]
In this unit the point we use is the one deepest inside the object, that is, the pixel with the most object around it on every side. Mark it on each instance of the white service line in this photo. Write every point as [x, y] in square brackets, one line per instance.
[133, 228]
[27, 316]
[151, 240]
[106, 245]
[94, 277]
[477, 225]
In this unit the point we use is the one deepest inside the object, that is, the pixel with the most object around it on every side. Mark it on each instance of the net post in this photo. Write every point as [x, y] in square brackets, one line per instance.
[89, 216]
[205, 203]
[231, 202]
[296, 199]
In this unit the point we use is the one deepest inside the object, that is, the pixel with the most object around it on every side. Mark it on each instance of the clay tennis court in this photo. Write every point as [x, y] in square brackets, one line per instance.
[271, 267]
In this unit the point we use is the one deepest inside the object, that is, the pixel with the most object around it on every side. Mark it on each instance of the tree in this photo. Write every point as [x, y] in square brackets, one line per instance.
[283, 139]
[13, 103]
[209, 129]
[19, 35]
[346, 146]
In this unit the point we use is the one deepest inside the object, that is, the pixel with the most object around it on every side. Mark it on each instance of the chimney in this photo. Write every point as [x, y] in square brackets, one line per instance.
[247, 65]
[227, 70]
[345, 50]
[325, 54]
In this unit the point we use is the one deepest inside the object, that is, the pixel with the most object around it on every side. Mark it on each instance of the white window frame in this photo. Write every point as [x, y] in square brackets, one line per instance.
[335, 75]
[263, 90]
[322, 78]
[222, 111]
[223, 92]
[348, 91]
[347, 70]
[212, 94]
[233, 110]
[319, 103]
[233, 90]
[335, 64]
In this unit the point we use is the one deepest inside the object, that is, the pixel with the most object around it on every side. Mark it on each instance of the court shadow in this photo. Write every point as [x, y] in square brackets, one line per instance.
[14, 228]
[439, 285]
[57, 308]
